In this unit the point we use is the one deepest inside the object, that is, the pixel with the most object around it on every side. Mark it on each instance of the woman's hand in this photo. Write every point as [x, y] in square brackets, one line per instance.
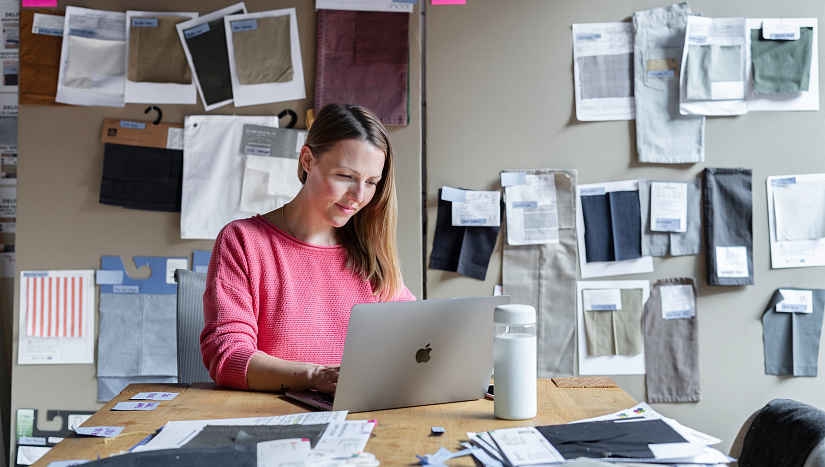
[324, 378]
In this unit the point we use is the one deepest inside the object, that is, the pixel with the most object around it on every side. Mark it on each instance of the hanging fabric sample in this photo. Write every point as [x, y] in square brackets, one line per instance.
[157, 70]
[137, 341]
[204, 43]
[458, 248]
[265, 57]
[712, 82]
[544, 276]
[671, 215]
[362, 58]
[796, 220]
[671, 333]
[612, 329]
[142, 165]
[41, 37]
[792, 326]
[269, 179]
[728, 211]
[213, 170]
[92, 58]
[603, 71]
[663, 135]
[781, 66]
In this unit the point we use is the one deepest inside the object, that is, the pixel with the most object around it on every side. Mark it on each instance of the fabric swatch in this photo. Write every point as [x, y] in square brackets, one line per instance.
[616, 332]
[671, 350]
[609, 438]
[95, 64]
[39, 62]
[245, 435]
[155, 52]
[606, 76]
[781, 66]
[792, 339]
[612, 226]
[799, 210]
[142, 177]
[710, 64]
[689, 242]
[211, 61]
[728, 211]
[263, 54]
[268, 183]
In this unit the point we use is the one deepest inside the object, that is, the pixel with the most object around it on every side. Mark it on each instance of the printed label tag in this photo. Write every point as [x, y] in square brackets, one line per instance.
[245, 25]
[144, 22]
[196, 31]
[154, 396]
[597, 191]
[796, 301]
[602, 299]
[135, 406]
[133, 125]
[677, 301]
[101, 431]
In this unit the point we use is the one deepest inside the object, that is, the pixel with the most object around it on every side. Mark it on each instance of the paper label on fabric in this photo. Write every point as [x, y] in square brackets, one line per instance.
[32, 440]
[668, 207]
[174, 139]
[453, 195]
[513, 178]
[796, 301]
[662, 64]
[171, 265]
[660, 74]
[602, 299]
[780, 29]
[133, 125]
[725, 90]
[245, 25]
[525, 204]
[154, 396]
[677, 301]
[783, 181]
[108, 277]
[532, 217]
[283, 452]
[125, 289]
[300, 139]
[136, 406]
[144, 22]
[100, 431]
[597, 191]
[480, 209]
[87, 33]
[48, 25]
[196, 31]
[258, 140]
[731, 261]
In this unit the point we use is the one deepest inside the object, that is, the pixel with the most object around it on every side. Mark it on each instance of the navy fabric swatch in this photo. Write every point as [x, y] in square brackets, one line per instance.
[598, 232]
[465, 250]
[626, 224]
[138, 177]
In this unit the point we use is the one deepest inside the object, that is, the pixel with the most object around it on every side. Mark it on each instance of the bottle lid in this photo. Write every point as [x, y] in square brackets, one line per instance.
[514, 314]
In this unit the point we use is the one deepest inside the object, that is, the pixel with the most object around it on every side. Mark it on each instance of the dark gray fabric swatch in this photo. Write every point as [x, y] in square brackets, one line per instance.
[609, 438]
[783, 433]
[141, 177]
[792, 339]
[226, 435]
[236, 456]
[598, 236]
[728, 210]
[211, 60]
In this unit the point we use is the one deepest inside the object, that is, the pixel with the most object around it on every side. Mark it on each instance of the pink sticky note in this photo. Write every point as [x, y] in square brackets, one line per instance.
[28, 3]
[449, 2]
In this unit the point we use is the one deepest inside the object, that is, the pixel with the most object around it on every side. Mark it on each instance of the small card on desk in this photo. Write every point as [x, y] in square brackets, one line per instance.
[585, 382]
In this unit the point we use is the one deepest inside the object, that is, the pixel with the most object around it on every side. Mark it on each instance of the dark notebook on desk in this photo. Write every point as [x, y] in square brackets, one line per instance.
[403, 354]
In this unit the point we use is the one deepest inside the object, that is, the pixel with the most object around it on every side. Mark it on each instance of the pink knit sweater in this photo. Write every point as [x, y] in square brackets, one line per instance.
[267, 291]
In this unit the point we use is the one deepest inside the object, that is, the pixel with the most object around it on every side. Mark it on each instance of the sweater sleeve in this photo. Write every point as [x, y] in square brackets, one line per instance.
[230, 334]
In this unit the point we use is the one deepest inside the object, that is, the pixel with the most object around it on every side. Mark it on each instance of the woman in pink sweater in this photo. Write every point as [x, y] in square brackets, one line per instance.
[281, 285]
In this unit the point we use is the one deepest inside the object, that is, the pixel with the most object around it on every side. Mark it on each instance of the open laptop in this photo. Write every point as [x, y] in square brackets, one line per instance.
[402, 354]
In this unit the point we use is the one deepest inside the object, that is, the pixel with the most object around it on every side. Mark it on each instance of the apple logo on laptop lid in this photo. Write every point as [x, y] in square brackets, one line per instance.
[423, 355]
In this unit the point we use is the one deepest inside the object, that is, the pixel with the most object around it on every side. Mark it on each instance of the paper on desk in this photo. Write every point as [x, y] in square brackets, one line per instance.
[346, 438]
[100, 431]
[603, 71]
[68, 463]
[283, 452]
[525, 446]
[135, 406]
[472, 208]
[177, 433]
[532, 213]
[154, 396]
[486, 443]
[28, 455]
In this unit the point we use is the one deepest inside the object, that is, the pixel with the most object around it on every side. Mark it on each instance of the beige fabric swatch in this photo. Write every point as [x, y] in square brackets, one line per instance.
[263, 55]
[156, 54]
[616, 332]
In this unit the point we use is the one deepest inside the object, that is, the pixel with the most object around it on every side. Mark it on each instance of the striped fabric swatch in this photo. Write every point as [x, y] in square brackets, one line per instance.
[55, 306]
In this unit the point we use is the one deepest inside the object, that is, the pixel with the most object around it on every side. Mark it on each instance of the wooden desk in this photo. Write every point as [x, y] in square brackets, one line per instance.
[399, 435]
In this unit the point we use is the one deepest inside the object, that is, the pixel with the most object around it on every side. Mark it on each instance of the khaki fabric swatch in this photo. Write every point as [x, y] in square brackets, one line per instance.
[616, 332]
[39, 62]
[263, 55]
[156, 54]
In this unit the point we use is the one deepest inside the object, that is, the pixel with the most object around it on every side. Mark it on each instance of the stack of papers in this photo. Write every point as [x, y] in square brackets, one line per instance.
[639, 435]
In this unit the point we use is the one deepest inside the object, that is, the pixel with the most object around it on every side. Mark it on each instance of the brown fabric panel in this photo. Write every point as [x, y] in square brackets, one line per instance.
[156, 54]
[39, 62]
[264, 55]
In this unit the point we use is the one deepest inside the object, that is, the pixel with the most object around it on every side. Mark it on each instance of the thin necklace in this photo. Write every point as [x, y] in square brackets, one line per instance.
[283, 216]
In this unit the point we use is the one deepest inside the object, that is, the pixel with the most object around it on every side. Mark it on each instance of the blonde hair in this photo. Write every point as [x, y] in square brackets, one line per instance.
[369, 238]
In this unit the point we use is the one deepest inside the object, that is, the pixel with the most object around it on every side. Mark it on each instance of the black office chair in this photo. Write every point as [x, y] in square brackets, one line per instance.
[191, 286]
[783, 433]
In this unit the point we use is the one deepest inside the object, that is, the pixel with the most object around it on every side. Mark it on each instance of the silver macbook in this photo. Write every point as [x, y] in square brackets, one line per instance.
[402, 354]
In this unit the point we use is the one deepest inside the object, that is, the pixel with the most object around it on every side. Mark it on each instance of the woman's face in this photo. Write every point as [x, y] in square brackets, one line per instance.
[342, 180]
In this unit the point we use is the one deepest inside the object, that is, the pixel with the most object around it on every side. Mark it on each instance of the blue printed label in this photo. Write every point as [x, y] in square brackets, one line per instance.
[258, 150]
[678, 314]
[668, 224]
[783, 181]
[125, 289]
[525, 204]
[133, 125]
[49, 32]
[473, 221]
[411, 2]
[783, 35]
[606, 307]
[36, 274]
[245, 25]
[196, 31]
[144, 22]
[660, 74]
[699, 39]
[88, 33]
[588, 37]
[592, 191]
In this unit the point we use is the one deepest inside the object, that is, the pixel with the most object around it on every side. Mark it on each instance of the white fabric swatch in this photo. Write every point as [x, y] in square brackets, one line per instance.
[800, 211]
[96, 64]
[268, 183]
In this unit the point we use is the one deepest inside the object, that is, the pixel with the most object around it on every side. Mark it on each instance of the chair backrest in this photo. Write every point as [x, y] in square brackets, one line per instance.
[191, 286]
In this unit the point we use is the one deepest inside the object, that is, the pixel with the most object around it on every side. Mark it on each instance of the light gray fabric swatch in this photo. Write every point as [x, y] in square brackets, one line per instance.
[544, 276]
[606, 76]
[799, 210]
[711, 64]
[137, 336]
[792, 339]
[728, 212]
[688, 242]
[617, 332]
[663, 135]
[671, 350]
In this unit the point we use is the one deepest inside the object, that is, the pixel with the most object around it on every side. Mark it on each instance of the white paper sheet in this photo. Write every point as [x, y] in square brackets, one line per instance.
[396, 6]
[609, 42]
[607, 364]
[677, 301]
[532, 212]
[795, 301]
[473, 208]
[668, 207]
[93, 40]
[283, 453]
[607, 268]
[345, 438]
[157, 93]
[252, 94]
[804, 100]
[57, 319]
[10, 45]
[797, 253]
[728, 98]
[525, 446]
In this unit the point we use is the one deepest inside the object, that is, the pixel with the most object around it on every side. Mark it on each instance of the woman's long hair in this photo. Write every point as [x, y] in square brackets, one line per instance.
[369, 238]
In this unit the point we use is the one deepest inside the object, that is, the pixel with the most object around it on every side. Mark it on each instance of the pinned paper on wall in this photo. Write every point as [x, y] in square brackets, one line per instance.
[56, 317]
[603, 71]
[796, 220]
[532, 211]
[449, 2]
[473, 208]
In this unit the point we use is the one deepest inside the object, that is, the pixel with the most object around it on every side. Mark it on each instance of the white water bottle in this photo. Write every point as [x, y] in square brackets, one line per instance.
[514, 362]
